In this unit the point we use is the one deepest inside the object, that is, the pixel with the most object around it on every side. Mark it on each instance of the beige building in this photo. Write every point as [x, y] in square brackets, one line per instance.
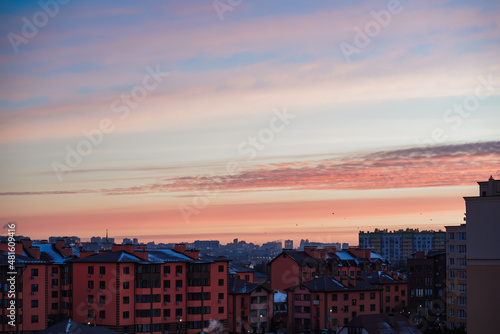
[483, 258]
[456, 277]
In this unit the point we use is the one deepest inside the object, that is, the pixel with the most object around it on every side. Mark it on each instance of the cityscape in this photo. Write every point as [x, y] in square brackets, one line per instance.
[249, 167]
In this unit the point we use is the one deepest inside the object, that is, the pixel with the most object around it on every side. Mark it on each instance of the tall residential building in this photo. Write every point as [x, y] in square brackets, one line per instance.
[288, 244]
[456, 277]
[427, 288]
[399, 245]
[483, 258]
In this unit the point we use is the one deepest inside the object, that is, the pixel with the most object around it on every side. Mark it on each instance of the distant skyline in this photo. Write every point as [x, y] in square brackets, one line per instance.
[176, 121]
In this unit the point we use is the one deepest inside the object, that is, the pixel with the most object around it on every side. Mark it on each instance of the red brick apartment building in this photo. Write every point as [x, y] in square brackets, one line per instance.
[250, 306]
[127, 290]
[292, 267]
[330, 302]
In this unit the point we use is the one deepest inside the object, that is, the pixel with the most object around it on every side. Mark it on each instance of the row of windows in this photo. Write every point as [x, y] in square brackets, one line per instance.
[461, 274]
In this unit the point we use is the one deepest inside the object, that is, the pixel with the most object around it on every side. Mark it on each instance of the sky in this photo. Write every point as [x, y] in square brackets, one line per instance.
[181, 120]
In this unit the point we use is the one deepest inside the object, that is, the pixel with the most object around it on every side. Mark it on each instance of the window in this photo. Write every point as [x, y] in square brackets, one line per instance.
[90, 299]
[361, 308]
[462, 249]
[462, 262]
[462, 274]
[451, 236]
[178, 284]
[126, 285]
[221, 296]
[247, 278]
[126, 315]
[346, 309]
[55, 270]
[55, 294]
[462, 236]
[387, 288]
[462, 301]
[178, 270]
[403, 293]
[166, 270]
[221, 282]
[178, 299]
[102, 299]
[102, 270]
[90, 270]
[126, 300]
[419, 292]
[34, 288]
[387, 299]
[461, 314]
[372, 307]
[166, 284]
[451, 300]
[428, 292]
[126, 270]
[372, 295]
[452, 312]
[334, 309]
[166, 313]
[362, 296]
[55, 306]
[102, 314]
[428, 281]
[34, 319]
[221, 309]
[34, 272]
[334, 297]
[34, 303]
[346, 296]
[462, 288]
[90, 285]
[55, 282]
[451, 248]
[102, 285]
[262, 313]
[451, 274]
[221, 268]
[178, 312]
[451, 287]
[452, 261]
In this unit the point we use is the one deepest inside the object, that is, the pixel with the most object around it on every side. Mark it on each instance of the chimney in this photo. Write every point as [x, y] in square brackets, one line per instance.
[193, 253]
[34, 252]
[18, 248]
[127, 248]
[141, 253]
[61, 247]
[181, 248]
[84, 254]
[352, 282]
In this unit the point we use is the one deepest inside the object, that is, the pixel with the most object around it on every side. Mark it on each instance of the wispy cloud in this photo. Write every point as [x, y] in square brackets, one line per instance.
[446, 165]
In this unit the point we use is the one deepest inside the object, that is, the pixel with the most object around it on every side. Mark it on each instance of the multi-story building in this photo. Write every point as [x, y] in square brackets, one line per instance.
[330, 302]
[483, 258]
[250, 306]
[427, 287]
[128, 290]
[456, 277]
[394, 289]
[397, 246]
[294, 267]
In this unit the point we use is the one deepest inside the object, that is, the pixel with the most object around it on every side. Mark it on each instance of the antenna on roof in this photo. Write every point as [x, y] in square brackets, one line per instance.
[106, 235]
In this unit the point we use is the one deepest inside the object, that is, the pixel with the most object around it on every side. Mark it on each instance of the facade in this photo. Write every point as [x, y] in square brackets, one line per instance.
[483, 257]
[379, 323]
[394, 286]
[127, 290]
[250, 307]
[291, 267]
[399, 245]
[456, 277]
[427, 288]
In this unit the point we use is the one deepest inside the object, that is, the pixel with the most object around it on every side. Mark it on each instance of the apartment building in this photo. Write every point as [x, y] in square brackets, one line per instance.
[483, 257]
[397, 246]
[330, 302]
[292, 267]
[427, 288]
[250, 306]
[127, 290]
[456, 277]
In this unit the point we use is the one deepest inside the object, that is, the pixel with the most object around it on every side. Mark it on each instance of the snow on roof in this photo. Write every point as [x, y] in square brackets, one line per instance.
[166, 255]
[126, 256]
[49, 250]
[279, 297]
[337, 282]
[377, 256]
[343, 255]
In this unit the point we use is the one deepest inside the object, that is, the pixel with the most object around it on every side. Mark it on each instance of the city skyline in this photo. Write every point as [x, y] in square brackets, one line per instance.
[182, 121]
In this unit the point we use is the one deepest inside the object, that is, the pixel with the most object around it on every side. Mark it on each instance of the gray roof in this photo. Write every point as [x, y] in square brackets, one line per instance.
[111, 257]
[70, 326]
[20, 261]
[330, 284]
